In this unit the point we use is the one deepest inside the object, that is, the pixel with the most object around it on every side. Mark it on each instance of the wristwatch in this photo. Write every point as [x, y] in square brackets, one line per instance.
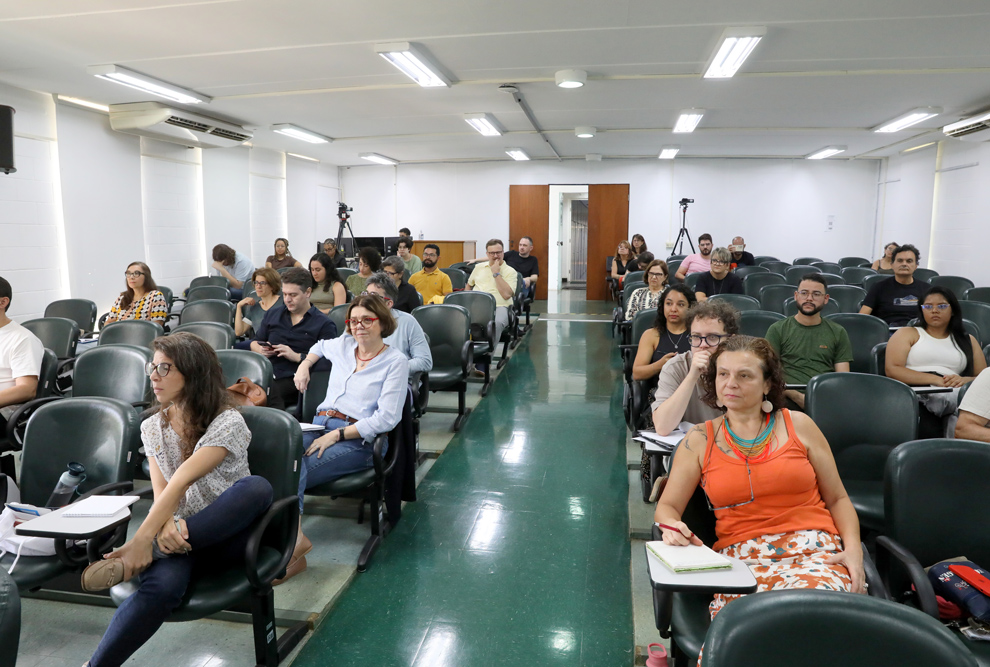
[496, 275]
[340, 432]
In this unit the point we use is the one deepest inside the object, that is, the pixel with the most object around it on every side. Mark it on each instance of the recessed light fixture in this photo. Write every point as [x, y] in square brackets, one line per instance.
[571, 78]
[906, 120]
[828, 151]
[145, 83]
[516, 154]
[300, 133]
[734, 47]
[483, 123]
[593, 157]
[302, 157]
[95, 106]
[584, 131]
[414, 63]
[379, 159]
[688, 120]
[668, 152]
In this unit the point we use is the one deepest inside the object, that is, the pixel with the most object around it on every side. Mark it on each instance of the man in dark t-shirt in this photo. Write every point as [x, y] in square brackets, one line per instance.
[895, 300]
[525, 264]
[739, 255]
[718, 280]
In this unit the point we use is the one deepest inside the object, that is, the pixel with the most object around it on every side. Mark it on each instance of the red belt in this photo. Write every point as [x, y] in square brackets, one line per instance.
[336, 415]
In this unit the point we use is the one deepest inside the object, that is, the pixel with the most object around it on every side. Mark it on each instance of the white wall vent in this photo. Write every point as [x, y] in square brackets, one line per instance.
[159, 121]
[976, 128]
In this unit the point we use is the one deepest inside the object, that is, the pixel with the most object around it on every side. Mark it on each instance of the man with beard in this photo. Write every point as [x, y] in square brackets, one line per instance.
[809, 345]
[525, 264]
[431, 282]
[895, 300]
[699, 261]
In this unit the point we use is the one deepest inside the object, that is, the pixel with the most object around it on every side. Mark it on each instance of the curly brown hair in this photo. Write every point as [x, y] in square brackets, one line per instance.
[769, 363]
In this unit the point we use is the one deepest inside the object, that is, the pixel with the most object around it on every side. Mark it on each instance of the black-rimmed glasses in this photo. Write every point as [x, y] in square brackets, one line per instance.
[711, 339]
[162, 368]
[133, 274]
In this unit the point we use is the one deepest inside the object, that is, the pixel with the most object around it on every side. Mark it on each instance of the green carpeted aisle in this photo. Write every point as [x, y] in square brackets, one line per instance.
[517, 552]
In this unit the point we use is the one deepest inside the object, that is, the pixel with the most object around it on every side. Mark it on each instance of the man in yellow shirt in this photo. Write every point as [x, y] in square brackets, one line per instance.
[431, 282]
[498, 279]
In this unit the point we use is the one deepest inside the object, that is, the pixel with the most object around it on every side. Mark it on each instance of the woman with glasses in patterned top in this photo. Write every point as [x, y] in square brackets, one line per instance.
[769, 477]
[647, 298]
[141, 300]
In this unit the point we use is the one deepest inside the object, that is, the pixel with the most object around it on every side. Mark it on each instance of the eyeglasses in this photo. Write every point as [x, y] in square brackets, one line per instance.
[162, 368]
[393, 273]
[718, 262]
[752, 497]
[380, 296]
[260, 283]
[711, 339]
[431, 255]
[133, 274]
[931, 306]
[494, 253]
[804, 294]
[363, 322]
[656, 275]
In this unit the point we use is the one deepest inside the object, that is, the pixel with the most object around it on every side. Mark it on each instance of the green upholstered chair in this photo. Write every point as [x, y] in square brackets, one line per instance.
[275, 454]
[207, 292]
[849, 297]
[635, 392]
[870, 280]
[934, 493]
[10, 620]
[828, 628]
[743, 271]
[208, 310]
[58, 334]
[674, 257]
[337, 315]
[790, 307]
[981, 294]
[448, 328]
[692, 279]
[199, 281]
[865, 333]
[848, 262]
[457, 278]
[168, 294]
[863, 417]
[80, 311]
[740, 302]
[957, 284]
[754, 282]
[979, 314]
[672, 266]
[878, 359]
[760, 259]
[481, 306]
[96, 432]
[619, 323]
[795, 272]
[924, 275]
[775, 266]
[246, 363]
[131, 332]
[757, 322]
[315, 392]
[219, 336]
[345, 273]
[772, 297]
[855, 275]
[13, 438]
[833, 279]
[635, 277]
[806, 261]
[828, 267]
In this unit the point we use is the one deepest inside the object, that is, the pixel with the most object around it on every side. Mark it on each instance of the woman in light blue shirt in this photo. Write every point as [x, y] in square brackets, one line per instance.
[365, 395]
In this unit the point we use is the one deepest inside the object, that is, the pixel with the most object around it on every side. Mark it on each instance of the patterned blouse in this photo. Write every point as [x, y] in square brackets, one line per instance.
[150, 307]
[228, 430]
[642, 299]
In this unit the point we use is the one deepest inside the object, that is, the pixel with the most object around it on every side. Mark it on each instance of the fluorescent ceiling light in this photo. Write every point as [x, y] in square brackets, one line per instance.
[734, 47]
[145, 83]
[828, 151]
[300, 133]
[483, 123]
[906, 120]
[414, 63]
[379, 159]
[688, 120]
[303, 157]
[668, 152]
[83, 103]
[516, 154]
[584, 131]
[571, 78]
[918, 148]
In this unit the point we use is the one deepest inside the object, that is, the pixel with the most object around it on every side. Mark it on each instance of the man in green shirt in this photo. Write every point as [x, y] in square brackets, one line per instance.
[809, 345]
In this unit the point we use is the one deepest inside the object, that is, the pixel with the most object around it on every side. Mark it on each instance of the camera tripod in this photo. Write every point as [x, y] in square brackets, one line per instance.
[683, 233]
[344, 216]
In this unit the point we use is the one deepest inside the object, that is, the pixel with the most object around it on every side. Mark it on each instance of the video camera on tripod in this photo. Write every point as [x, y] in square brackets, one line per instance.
[683, 233]
[344, 211]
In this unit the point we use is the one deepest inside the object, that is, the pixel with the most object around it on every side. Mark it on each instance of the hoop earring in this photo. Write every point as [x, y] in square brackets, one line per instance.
[766, 406]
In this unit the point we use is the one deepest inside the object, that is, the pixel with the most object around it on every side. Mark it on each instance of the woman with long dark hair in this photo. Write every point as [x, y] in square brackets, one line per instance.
[205, 497]
[141, 300]
[328, 289]
[668, 336]
[282, 259]
[885, 264]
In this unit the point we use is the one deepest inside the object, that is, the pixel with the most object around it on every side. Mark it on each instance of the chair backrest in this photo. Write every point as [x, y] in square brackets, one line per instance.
[740, 302]
[743, 271]
[208, 310]
[10, 619]
[47, 375]
[924, 274]
[113, 371]
[957, 284]
[769, 629]
[863, 418]
[847, 262]
[642, 321]
[691, 280]
[870, 281]
[315, 392]
[675, 257]
[979, 314]
[218, 336]
[806, 261]
[865, 332]
[448, 327]
[337, 315]
[58, 334]
[246, 363]
[481, 305]
[208, 292]
[220, 281]
[672, 266]
[828, 267]
[345, 273]
[754, 282]
[756, 322]
[986, 352]
[457, 278]
[168, 294]
[833, 279]
[628, 287]
[790, 307]
[933, 499]
[794, 273]
[849, 297]
[981, 294]
[635, 277]
[772, 297]
[131, 332]
[80, 311]
[878, 359]
[760, 259]
[96, 432]
[855, 275]
[775, 265]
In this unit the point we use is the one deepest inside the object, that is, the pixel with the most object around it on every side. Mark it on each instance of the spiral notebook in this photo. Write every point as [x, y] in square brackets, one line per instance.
[99, 506]
[688, 559]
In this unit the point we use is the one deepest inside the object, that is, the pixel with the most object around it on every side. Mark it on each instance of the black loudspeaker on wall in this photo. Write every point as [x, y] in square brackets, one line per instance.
[7, 140]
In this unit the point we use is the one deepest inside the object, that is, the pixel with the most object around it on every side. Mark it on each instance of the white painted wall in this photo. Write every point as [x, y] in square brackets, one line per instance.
[961, 221]
[226, 198]
[267, 203]
[906, 190]
[312, 191]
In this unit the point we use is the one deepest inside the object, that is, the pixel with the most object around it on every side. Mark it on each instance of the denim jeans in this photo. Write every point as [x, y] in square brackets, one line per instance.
[217, 535]
[343, 458]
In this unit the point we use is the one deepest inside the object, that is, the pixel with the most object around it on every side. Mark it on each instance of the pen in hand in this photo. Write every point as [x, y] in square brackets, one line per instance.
[676, 530]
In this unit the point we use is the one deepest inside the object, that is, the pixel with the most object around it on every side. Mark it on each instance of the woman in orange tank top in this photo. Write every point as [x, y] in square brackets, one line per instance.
[770, 478]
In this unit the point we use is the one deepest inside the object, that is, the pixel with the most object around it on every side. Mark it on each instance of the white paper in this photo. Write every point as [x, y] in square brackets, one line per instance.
[99, 506]
[311, 427]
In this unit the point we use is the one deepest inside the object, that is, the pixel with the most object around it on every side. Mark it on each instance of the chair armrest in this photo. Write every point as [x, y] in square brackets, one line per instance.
[15, 438]
[873, 581]
[377, 455]
[886, 548]
[467, 357]
[141, 404]
[490, 333]
[259, 580]
[419, 383]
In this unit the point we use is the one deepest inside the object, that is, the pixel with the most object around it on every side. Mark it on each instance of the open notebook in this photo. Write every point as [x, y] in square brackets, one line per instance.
[688, 559]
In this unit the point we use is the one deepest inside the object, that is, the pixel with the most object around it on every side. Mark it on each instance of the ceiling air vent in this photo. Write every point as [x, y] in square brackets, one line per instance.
[976, 128]
[159, 121]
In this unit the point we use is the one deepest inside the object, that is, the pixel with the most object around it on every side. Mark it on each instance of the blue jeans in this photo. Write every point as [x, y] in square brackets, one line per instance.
[217, 535]
[344, 458]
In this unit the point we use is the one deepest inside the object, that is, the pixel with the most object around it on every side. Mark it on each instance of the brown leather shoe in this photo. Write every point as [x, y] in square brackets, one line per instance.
[295, 567]
[102, 574]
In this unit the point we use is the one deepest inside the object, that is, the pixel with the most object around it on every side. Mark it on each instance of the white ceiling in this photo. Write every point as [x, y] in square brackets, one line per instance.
[824, 74]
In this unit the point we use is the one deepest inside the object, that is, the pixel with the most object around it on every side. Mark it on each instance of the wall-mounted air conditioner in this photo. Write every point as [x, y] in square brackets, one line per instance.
[976, 128]
[159, 121]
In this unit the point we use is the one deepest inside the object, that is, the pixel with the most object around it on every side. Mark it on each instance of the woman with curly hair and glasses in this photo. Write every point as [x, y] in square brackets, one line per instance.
[142, 299]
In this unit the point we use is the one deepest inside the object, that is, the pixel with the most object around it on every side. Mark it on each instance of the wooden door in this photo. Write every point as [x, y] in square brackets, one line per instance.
[529, 215]
[608, 223]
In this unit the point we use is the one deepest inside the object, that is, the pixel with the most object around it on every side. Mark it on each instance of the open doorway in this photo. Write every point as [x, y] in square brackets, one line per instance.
[575, 249]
